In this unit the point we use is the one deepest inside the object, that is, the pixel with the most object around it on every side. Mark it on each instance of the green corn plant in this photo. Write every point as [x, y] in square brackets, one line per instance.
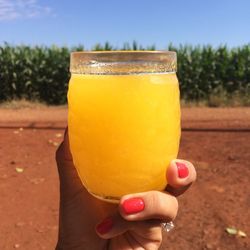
[205, 73]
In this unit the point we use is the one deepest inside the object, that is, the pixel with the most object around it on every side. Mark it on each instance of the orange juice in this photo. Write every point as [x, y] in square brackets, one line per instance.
[124, 130]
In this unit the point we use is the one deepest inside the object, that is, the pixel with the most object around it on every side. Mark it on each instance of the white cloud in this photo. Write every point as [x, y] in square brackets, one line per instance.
[22, 9]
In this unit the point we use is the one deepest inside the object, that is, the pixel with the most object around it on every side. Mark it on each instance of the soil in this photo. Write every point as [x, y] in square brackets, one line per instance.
[217, 141]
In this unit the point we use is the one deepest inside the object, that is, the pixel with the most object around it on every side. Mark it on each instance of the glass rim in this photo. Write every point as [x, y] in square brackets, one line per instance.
[123, 62]
[123, 52]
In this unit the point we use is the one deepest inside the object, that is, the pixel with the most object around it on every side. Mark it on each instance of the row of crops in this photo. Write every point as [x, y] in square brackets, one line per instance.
[206, 74]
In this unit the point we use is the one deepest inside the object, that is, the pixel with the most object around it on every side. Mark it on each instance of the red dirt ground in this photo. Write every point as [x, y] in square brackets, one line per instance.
[219, 199]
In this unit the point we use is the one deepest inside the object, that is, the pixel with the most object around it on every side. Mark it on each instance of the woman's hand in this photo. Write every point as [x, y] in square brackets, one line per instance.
[135, 223]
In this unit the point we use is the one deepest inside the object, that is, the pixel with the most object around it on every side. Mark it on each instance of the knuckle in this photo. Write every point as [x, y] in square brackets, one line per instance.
[157, 241]
[156, 201]
[152, 230]
[175, 208]
[163, 206]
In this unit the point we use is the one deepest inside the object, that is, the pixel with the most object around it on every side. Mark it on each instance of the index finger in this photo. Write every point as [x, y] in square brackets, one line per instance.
[148, 205]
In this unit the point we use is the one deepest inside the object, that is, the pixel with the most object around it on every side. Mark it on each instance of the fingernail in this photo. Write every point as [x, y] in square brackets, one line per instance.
[182, 170]
[105, 226]
[133, 205]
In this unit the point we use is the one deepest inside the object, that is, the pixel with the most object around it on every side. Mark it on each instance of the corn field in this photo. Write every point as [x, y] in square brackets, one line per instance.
[205, 73]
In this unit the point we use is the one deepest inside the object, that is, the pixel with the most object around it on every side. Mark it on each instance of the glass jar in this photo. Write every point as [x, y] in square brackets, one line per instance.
[123, 120]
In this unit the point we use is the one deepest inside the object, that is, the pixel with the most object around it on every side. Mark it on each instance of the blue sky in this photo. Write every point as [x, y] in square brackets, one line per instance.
[158, 22]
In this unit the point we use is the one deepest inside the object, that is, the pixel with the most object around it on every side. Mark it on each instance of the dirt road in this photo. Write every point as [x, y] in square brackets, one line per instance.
[219, 199]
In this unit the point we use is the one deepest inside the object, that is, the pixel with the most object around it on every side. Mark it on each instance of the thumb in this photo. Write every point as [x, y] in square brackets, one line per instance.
[180, 175]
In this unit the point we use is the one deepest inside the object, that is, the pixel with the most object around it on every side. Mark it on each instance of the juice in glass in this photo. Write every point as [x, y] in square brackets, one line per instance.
[124, 129]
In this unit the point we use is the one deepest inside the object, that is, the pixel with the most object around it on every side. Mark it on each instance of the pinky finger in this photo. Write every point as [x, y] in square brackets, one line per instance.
[116, 225]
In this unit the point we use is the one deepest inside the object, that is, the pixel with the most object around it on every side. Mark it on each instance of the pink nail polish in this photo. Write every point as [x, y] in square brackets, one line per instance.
[133, 205]
[182, 170]
[105, 226]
